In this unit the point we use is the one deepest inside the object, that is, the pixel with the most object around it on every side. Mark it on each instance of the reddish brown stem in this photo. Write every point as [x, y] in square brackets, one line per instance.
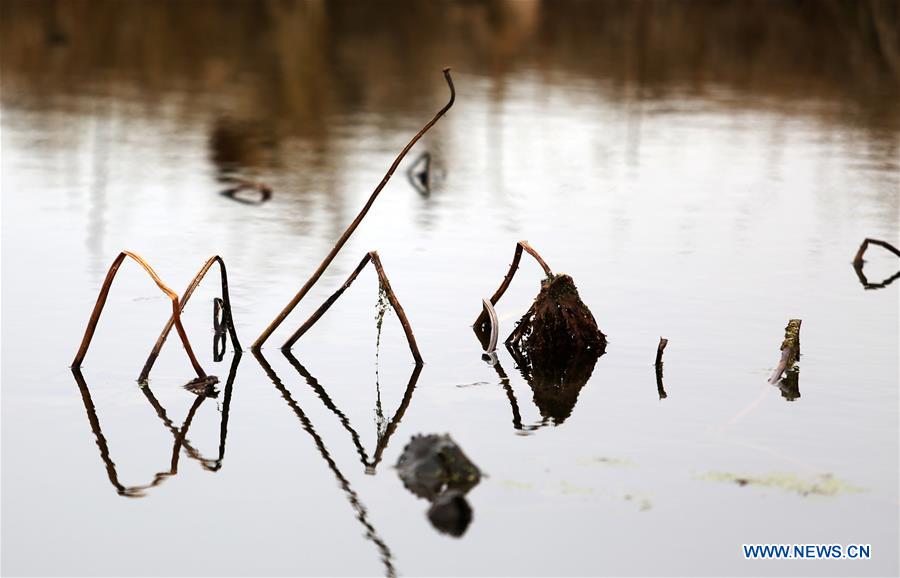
[395, 303]
[660, 348]
[192, 286]
[346, 235]
[392, 298]
[101, 301]
[504, 285]
[858, 260]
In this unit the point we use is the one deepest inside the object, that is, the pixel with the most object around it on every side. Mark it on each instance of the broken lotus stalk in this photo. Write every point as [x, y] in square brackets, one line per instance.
[226, 318]
[858, 259]
[790, 350]
[858, 263]
[385, 286]
[659, 350]
[480, 323]
[101, 301]
[317, 274]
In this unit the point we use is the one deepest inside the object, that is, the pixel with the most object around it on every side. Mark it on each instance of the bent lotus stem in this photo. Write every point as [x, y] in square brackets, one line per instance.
[317, 274]
[507, 279]
[101, 301]
[175, 318]
[858, 259]
[372, 257]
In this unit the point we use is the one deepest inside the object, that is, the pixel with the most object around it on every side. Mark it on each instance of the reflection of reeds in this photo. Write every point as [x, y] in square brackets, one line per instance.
[352, 497]
[296, 53]
[383, 439]
[352, 227]
[101, 301]
[179, 433]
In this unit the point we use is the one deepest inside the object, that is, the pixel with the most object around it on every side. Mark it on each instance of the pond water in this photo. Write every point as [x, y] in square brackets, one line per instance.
[704, 172]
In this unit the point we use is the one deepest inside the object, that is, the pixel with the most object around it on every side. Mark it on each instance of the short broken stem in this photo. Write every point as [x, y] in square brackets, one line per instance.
[660, 348]
[790, 349]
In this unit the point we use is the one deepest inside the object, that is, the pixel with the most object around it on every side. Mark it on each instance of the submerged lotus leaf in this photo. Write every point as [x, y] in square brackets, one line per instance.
[450, 513]
[432, 463]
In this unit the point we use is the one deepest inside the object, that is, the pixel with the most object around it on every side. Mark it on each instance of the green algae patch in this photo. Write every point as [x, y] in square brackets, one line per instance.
[821, 485]
[604, 461]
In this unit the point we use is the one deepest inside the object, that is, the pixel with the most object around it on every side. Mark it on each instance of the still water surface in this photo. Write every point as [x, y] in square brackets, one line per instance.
[707, 196]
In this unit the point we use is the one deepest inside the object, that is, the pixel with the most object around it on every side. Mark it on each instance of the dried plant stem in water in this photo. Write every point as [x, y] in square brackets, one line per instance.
[227, 320]
[384, 285]
[858, 263]
[481, 322]
[858, 260]
[660, 389]
[660, 348]
[790, 349]
[279, 319]
[101, 301]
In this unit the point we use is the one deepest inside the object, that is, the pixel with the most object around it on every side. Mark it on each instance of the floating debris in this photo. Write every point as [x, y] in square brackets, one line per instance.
[821, 485]
[203, 386]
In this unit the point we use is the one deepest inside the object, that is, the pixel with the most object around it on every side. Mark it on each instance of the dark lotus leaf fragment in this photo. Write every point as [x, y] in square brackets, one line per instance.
[203, 386]
[432, 463]
[450, 513]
